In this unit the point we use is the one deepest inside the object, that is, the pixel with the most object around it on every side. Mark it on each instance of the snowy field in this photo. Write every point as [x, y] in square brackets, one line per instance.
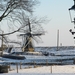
[65, 55]
[45, 70]
[55, 55]
[48, 69]
[39, 74]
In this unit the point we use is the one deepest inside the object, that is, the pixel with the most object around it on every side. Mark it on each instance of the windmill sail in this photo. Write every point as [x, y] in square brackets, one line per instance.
[27, 39]
[28, 46]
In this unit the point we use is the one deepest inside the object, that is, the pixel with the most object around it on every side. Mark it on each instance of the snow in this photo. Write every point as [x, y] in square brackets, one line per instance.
[38, 74]
[45, 70]
[48, 69]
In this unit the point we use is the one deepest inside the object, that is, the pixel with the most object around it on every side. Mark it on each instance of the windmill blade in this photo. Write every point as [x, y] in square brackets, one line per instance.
[38, 38]
[27, 34]
[35, 39]
[37, 34]
[29, 25]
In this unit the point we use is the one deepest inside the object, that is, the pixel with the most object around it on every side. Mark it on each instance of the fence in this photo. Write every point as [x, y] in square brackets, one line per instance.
[33, 64]
[47, 69]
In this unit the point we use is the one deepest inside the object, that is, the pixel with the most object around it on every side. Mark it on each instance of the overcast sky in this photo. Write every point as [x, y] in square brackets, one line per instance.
[58, 14]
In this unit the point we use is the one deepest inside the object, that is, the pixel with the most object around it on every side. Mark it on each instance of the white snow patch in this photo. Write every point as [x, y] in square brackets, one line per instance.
[48, 69]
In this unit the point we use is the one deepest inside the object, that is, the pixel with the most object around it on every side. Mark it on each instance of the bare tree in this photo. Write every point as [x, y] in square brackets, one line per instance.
[13, 7]
[35, 22]
[16, 11]
[10, 9]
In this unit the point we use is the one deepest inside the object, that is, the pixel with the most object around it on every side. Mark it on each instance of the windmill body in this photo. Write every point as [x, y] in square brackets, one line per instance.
[27, 44]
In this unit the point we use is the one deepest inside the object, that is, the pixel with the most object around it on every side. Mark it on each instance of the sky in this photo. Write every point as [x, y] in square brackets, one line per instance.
[57, 12]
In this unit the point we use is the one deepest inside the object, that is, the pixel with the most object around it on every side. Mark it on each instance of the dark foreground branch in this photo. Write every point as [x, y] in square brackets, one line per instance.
[10, 32]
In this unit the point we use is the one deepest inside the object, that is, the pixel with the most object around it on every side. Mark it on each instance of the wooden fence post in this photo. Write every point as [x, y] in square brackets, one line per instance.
[20, 66]
[9, 66]
[17, 67]
[61, 61]
[47, 62]
[34, 64]
[74, 61]
[51, 68]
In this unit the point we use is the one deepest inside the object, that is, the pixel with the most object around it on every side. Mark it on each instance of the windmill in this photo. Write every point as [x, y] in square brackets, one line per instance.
[27, 39]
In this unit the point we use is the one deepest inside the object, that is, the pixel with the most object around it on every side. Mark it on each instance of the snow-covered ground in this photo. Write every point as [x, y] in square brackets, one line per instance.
[48, 69]
[39, 74]
[45, 70]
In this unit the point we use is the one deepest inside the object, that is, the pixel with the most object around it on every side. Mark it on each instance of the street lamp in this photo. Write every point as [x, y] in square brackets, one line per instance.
[72, 17]
[72, 13]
